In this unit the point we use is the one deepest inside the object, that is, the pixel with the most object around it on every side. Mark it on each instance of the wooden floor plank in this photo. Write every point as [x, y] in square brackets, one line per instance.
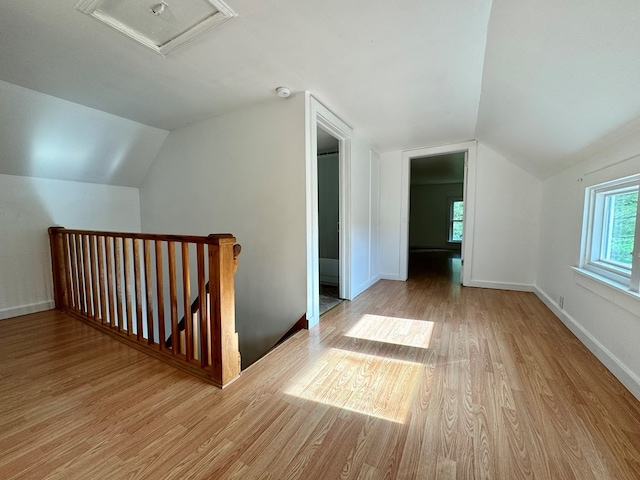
[412, 380]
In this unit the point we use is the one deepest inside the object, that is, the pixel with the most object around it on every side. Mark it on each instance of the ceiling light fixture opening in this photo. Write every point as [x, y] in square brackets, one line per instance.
[172, 26]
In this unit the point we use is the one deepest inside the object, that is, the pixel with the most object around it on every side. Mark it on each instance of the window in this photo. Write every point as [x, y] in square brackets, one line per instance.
[611, 239]
[456, 217]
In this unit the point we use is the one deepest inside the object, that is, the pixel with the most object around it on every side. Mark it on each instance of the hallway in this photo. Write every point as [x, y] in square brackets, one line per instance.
[412, 380]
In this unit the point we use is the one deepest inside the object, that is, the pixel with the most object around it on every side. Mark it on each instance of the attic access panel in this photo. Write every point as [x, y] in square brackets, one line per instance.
[159, 25]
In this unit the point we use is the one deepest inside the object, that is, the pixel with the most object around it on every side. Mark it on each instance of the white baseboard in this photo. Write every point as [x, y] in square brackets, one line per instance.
[627, 377]
[517, 287]
[363, 286]
[26, 309]
[390, 276]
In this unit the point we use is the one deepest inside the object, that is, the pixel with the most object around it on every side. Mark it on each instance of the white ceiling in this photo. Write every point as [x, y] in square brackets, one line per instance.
[537, 81]
[558, 76]
[43, 136]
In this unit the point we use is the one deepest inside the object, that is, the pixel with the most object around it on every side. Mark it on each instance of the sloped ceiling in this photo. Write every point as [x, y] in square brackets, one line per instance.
[537, 81]
[558, 76]
[44, 136]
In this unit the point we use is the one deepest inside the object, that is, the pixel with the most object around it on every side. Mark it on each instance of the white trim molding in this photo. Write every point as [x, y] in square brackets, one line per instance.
[362, 287]
[516, 287]
[469, 195]
[26, 309]
[390, 276]
[616, 366]
[317, 115]
[618, 294]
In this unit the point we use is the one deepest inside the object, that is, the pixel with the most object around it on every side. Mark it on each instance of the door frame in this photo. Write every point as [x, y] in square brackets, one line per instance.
[468, 196]
[317, 115]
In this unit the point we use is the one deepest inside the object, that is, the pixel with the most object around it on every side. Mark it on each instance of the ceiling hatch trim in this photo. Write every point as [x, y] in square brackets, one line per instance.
[164, 31]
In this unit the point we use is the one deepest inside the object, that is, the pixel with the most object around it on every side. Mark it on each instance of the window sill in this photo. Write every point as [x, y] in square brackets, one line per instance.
[608, 289]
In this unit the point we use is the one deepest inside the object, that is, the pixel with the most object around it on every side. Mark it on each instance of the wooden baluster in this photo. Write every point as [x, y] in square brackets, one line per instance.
[103, 296]
[95, 306]
[81, 289]
[68, 247]
[74, 271]
[173, 298]
[209, 361]
[110, 290]
[89, 269]
[87, 275]
[67, 255]
[118, 275]
[137, 279]
[203, 308]
[126, 251]
[186, 290]
[195, 335]
[160, 292]
[148, 291]
[225, 361]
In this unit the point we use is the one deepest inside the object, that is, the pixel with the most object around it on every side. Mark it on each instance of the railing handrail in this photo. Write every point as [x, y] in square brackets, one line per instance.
[119, 283]
[213, 239]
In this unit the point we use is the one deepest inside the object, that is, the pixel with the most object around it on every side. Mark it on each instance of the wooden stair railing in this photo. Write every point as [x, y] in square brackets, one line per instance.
[195, 308]
[124, 283]
[193, 312]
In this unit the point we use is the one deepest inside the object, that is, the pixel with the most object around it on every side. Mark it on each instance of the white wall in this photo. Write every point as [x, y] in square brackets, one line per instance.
[28, 207]
[374, 215]
[390, 214]
[609, 327]
[242, 173]
[364, 216]
[507, 205]
[507, 218]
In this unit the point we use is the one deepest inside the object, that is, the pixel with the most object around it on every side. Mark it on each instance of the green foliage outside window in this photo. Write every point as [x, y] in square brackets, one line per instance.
[622, 210]
[457, 216]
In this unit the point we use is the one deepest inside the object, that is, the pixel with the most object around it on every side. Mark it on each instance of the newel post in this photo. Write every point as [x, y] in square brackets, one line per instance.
[225, 354]
[58, 267]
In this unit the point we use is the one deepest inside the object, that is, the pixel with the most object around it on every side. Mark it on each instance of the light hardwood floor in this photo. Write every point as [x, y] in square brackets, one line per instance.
[415, 380]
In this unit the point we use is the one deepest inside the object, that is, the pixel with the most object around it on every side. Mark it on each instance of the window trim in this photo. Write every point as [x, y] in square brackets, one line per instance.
[592, 233]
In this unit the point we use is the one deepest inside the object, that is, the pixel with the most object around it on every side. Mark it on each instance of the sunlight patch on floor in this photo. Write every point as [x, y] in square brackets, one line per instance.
[367, 384]
[397, 331]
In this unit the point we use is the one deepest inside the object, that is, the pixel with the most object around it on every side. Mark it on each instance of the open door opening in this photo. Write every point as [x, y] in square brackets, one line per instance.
[436, 216]
[460, 216]
[328, 154]
[319, 116]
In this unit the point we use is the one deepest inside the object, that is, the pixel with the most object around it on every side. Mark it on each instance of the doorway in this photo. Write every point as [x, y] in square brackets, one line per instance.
[468, 149]
[328, 154]
[319, 116]
[436, 216]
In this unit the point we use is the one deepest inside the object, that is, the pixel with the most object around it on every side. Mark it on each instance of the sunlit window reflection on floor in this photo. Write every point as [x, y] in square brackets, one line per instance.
[398, 331]
[367, 384]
